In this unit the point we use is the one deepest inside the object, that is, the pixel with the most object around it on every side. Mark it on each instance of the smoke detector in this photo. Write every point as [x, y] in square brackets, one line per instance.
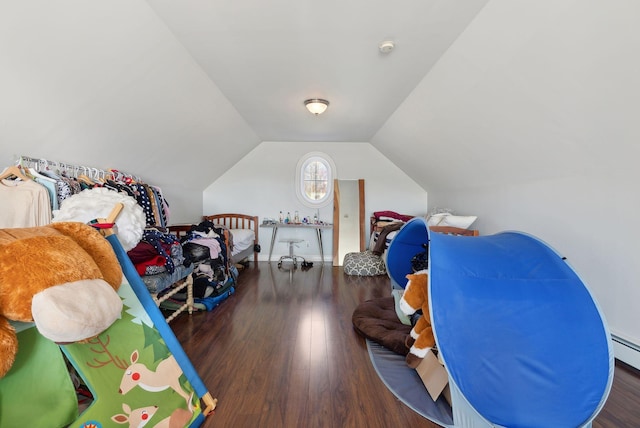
[386, 47]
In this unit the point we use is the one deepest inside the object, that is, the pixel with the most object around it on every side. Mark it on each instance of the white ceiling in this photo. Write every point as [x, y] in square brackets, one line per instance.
[268, 57]
[152, 86]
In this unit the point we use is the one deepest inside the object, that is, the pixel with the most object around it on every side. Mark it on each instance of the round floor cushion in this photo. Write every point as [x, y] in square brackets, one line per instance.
[364, 264]
[376, 319]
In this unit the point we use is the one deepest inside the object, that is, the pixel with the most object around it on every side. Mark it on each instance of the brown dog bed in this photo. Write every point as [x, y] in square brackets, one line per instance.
[377, 320]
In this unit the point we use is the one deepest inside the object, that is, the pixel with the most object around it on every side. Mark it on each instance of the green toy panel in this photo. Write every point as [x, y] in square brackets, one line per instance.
[132, 374]
[37, 391]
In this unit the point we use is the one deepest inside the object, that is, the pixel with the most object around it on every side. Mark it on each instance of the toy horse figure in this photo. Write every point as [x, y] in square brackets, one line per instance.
[416, 296]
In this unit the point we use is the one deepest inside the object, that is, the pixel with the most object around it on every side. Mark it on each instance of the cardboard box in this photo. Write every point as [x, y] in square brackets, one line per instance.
[433, 375]
[446, 393]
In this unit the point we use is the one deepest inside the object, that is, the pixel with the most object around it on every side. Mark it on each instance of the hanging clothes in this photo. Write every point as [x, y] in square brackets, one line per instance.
[50, 185]
[68, 181]
[23, 203]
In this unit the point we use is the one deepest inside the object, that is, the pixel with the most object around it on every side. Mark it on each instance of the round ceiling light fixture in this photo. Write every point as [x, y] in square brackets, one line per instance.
[386, 47]
[316, 105]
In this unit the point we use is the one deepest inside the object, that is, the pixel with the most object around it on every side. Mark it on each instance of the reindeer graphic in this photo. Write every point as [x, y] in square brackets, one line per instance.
[138, 418]
[167, 375]
[135, 418]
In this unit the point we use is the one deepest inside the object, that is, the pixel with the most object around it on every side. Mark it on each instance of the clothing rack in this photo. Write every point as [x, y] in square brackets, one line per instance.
[75, 170]
[63, 180]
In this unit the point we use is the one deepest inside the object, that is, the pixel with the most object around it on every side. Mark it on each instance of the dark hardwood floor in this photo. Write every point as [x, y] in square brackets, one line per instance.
[282, 352]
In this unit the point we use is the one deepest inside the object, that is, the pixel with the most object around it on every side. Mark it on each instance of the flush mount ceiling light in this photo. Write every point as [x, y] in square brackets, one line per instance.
[316, 106]
[386, 46]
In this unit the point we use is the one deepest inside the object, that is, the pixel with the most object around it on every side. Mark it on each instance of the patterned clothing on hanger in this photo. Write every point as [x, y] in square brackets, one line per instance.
[143, 200]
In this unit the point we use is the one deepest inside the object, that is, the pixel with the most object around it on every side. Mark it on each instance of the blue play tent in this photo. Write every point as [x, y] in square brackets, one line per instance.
[522, 339]
[408, 242]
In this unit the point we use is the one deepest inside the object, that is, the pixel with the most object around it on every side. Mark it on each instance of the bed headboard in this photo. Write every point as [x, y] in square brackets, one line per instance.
[238, 221]
[180, 230]
[449, 230]
[234, 221]
[409, 242]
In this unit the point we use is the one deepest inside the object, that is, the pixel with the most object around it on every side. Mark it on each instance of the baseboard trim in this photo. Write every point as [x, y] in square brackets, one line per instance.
[626, 351]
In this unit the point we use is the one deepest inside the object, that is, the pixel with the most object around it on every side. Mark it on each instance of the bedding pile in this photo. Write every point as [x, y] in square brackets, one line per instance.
[384, 226]
[159, 260]
[205, 247]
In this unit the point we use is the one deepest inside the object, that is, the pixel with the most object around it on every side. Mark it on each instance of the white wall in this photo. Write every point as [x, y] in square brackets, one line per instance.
[590, 219]
[531, 117]
[263, 183]
[107, 85]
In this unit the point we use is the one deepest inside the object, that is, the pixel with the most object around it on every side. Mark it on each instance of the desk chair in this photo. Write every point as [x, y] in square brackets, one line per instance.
[291, 256]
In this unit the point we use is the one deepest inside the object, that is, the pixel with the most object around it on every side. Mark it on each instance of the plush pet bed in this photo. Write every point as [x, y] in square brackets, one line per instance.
[378, 321]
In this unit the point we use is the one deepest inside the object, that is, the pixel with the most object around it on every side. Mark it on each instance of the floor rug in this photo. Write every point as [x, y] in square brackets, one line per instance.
[407, 386]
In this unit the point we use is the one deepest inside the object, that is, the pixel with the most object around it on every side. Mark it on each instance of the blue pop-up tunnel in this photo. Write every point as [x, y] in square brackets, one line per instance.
[521, 337]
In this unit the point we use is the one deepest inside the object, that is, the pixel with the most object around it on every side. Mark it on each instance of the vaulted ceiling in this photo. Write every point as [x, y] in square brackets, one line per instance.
[471, 89]
[170, 85]
[268, 57]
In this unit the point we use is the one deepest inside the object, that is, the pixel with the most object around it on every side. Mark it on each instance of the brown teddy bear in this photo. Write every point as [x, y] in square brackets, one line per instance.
[416, 296]
[63, 277]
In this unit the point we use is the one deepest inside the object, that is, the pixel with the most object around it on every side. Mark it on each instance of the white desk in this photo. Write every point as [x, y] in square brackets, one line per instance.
[317, 227]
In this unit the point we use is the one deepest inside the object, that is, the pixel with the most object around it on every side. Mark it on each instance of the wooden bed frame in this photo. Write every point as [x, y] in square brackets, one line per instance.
[450, 230]
[239, 221]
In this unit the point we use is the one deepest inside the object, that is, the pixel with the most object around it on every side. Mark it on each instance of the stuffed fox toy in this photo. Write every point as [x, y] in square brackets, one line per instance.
[63, 277]
[416, 296]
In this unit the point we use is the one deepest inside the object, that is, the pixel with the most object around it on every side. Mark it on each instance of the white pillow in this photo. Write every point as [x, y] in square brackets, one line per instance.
[461, 221]
[436, 219]
[242, 239]
[448, 219]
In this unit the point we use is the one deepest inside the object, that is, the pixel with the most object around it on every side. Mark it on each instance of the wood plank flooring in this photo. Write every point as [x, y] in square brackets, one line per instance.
[282, 352]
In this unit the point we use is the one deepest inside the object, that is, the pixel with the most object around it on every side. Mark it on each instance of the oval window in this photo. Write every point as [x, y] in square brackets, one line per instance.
[314, 179]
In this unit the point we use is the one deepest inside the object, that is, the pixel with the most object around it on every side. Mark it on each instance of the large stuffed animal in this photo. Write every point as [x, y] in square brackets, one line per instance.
[63, 277]
[415, 297]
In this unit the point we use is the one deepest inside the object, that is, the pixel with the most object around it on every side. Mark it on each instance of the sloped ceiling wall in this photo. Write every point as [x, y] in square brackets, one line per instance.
[267, 57]
[525, 92]
[530, 90]
[106, 84]
[144, 86]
